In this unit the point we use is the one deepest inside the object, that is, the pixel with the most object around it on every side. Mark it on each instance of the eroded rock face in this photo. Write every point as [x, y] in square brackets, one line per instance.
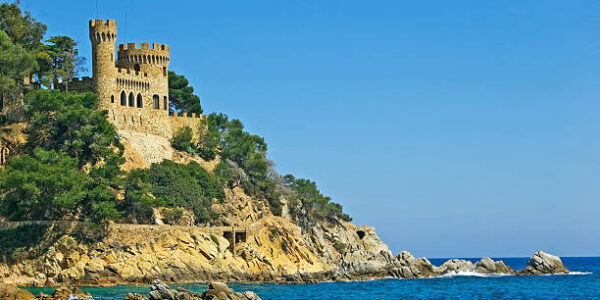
[544, 263]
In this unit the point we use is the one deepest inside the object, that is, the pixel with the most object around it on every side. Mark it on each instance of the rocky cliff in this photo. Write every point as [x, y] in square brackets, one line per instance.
[247, 243]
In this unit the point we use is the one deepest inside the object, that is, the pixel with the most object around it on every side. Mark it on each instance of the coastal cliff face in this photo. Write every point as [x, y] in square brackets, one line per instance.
[275, 250]
[246, 243]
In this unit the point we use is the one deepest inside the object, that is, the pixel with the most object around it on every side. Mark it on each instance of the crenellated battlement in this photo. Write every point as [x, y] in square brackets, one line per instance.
[155, 54]
[143, 46]
[103, 31]
[97, 23]
[185, 115]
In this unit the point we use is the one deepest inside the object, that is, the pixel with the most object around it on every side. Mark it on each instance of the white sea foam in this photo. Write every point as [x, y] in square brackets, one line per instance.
[579, 273]
[471, 274]
[482, 275]
[575, 273]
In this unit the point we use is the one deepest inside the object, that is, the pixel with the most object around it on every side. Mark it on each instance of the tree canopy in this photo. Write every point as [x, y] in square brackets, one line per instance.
[59, 61]
[15, 64]
[21, 28]
[54, 60]
[181, 95]
[69, 122]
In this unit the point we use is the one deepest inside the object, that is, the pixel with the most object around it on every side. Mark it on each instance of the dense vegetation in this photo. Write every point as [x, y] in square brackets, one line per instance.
[70, 165]
[171, 185]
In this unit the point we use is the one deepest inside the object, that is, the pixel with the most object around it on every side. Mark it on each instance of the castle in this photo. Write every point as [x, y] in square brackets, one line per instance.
[133, 85]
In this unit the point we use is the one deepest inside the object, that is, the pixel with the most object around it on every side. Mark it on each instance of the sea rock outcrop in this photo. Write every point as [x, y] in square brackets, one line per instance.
[411, 267]
[215, 291]
[64, 293]
[484, 266]
[544, 263]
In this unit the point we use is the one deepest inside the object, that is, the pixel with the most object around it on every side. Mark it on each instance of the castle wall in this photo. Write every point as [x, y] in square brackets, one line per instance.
[80, 85]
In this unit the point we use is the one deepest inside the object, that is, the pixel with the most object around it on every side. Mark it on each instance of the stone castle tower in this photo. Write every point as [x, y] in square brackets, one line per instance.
[132, 84]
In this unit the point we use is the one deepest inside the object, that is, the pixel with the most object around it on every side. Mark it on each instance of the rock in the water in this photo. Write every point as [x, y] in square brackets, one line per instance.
[544, 263]
[220, 291]
[411, 267]
[161, 291]
[64, 293]
[8, 292]
[215, 291]
[135, 296]
[456, 266]
[487, 266]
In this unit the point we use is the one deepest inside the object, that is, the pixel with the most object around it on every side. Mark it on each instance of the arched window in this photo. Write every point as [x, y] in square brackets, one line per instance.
[140, 103]
[156, 101]
[123, 98]
[131, 99]
[136, 68]
[112, 98]
[165, 103]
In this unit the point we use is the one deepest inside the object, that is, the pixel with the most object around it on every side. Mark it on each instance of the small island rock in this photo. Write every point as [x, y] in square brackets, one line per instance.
[544, 263]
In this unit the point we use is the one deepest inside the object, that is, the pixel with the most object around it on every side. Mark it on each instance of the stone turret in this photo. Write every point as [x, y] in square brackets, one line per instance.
[103, 35]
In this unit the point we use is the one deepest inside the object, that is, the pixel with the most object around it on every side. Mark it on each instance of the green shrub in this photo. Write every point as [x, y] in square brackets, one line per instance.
[182, 140]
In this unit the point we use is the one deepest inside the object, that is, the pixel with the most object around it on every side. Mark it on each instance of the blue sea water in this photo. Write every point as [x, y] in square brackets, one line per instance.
[582, 283]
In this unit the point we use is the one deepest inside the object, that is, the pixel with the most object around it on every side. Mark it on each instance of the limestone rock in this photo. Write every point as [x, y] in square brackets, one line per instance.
[411, 267]
[220, 291]
[160, 290]
[135, 296]
[544, 263]
[488, 266]
[64, 293]
[215, 291]
[456, 266]
[8, 292]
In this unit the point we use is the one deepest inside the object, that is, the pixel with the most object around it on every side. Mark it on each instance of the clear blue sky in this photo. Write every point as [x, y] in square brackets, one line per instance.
[456, 128]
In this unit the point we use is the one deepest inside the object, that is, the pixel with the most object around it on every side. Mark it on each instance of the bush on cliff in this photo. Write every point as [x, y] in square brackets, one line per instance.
[244, 159]
[318, 205]
[182, 140]
[172, 185]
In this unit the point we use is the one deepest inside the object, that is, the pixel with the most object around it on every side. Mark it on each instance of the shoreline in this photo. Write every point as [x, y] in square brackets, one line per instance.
[458, 268]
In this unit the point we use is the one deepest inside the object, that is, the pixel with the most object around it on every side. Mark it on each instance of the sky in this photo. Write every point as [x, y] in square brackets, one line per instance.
[455, 128]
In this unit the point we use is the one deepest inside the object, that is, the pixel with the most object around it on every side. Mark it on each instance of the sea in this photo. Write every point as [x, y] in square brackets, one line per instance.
[582, 283]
